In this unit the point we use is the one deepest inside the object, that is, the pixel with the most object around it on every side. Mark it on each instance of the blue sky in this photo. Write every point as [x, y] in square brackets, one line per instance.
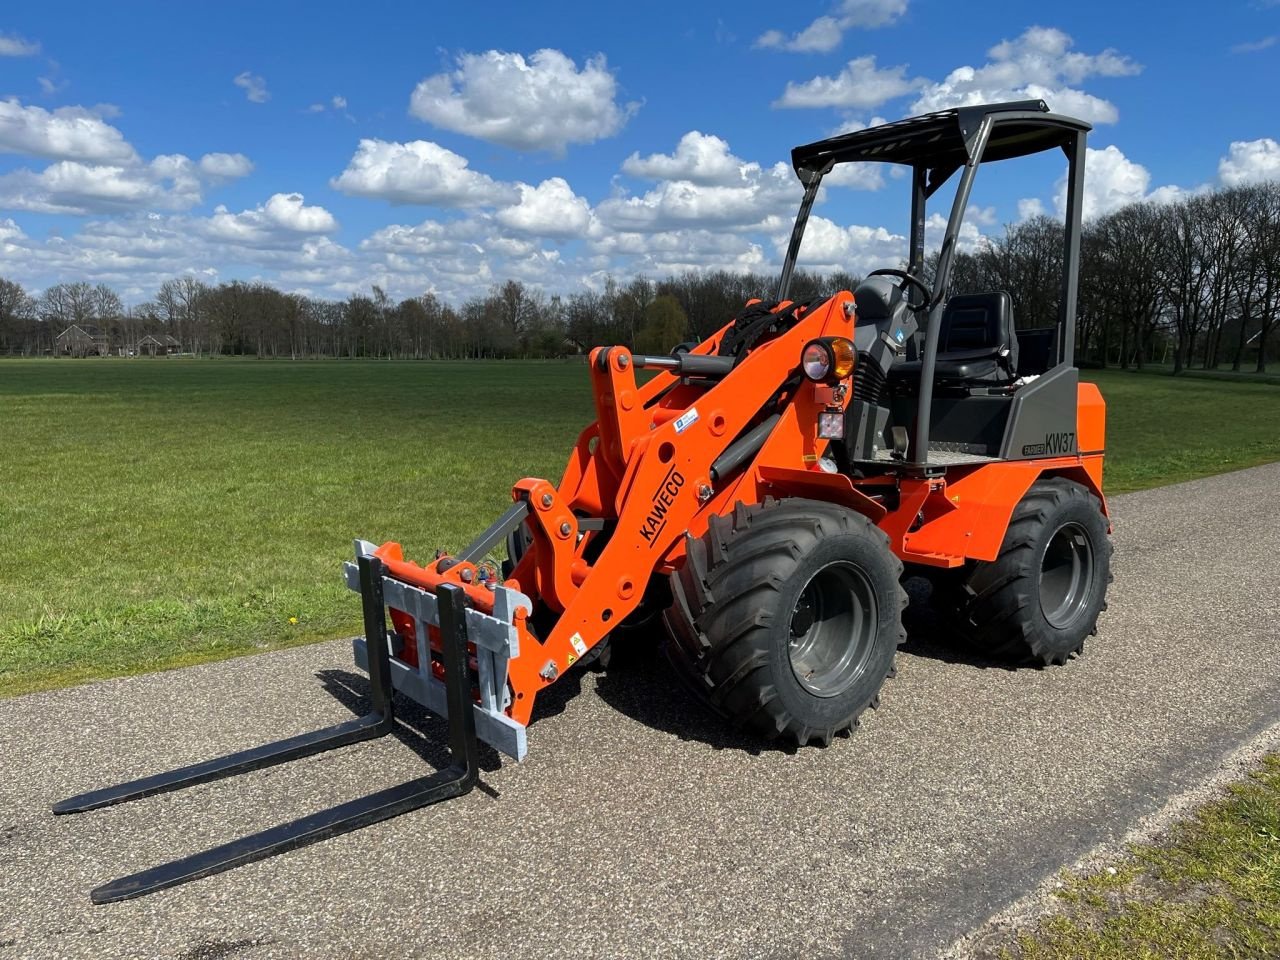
[326, 147]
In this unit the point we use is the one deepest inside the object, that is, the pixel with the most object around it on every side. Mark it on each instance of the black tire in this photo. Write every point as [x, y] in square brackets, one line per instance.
[1040, 598]
[758, 577]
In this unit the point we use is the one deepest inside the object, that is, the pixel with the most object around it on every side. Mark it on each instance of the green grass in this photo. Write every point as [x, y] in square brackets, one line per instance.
[1211, 890]
[160, 513]
[155, 513]
[1165, 429]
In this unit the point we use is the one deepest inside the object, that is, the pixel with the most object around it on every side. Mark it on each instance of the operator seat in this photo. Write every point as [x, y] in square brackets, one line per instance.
[977, 346]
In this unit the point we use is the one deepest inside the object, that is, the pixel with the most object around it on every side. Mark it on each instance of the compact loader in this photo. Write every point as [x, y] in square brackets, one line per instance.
[765, 492]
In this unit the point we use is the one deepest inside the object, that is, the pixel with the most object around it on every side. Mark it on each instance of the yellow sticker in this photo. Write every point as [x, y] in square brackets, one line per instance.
[810, 458]
[571, 659]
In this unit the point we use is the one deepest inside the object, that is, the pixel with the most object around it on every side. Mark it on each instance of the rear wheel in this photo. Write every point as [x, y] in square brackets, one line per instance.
[785, 617]
[1041, 597]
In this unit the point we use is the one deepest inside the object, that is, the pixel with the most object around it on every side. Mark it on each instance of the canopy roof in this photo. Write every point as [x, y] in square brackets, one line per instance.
[942, 140]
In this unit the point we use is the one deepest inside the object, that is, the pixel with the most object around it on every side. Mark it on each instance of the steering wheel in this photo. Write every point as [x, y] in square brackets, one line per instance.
[908, 281]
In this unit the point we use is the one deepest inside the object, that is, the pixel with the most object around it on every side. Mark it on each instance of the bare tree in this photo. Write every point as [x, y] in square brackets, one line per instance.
[17, 316]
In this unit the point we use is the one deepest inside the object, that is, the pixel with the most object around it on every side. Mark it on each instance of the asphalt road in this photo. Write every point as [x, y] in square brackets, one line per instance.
[638, 826]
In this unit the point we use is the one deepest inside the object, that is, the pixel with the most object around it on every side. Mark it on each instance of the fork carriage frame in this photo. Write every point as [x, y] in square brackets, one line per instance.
[459, 777]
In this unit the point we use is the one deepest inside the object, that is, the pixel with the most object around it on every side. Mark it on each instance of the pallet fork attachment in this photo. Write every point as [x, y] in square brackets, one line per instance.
[453, 781]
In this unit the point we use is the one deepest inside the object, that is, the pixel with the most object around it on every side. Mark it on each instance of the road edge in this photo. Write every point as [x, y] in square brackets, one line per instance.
[1039, 903]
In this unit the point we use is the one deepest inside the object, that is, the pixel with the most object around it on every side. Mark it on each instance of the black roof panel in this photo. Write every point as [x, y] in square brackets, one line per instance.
[943, 139]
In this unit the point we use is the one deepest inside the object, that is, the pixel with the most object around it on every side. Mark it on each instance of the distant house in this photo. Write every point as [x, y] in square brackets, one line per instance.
[159, 345]
[81, 341]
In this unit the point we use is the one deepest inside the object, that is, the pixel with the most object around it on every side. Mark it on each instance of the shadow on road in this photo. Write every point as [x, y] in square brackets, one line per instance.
[421, 731]
[640, 683]
[930, 636]
[643, 686]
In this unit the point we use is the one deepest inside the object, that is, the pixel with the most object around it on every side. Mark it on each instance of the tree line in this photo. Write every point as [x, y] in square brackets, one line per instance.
[1195, 282]
[510, 320]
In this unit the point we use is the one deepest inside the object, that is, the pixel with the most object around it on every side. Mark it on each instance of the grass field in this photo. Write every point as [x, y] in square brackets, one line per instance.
[158, 513]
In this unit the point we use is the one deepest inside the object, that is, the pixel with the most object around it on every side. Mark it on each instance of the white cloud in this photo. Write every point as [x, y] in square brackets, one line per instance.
[543, 103]
[274, 223]
[254, 87]
[969, 238]
[828, 246]
[12, 45]
[870, 13]
[852, 124]
[461, 258]
[675, 251]
[1039, 64]
[860, 85]
[825, 33]
[225, 166]
[96, 169]
[1250, 161]
[419, 172]
[288, 211]
[674, 204]
[1030, 208]
[67, 133]
[1253, 46]
[1172, 193]
[1111, 180]
[698, 158]
[856, 176]
[550, 209]
[169, 182]
[982, 216]
[136, 253]
[429, 238]
[10, 232]
[337, 104]
[821, 36]
[51, 85]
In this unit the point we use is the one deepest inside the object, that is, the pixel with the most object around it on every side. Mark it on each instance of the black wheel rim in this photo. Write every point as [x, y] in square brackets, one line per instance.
[833, 629]
[1066, 576]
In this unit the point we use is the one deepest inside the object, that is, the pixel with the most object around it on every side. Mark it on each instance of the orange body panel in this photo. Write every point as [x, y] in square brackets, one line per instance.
[1091, 420]
[966, 513]
[645, 469]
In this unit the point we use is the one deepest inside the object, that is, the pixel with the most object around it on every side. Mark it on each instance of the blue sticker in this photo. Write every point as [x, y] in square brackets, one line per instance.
[687, 420]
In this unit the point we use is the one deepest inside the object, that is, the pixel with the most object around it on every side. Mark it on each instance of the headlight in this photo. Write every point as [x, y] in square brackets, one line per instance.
[817, 360]
[827, 359]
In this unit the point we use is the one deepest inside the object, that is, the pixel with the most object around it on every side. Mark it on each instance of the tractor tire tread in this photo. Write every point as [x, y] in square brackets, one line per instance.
[716, 623]
[996, 607]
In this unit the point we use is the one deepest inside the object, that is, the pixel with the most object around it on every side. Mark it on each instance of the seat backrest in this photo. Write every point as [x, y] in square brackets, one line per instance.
[979, 323]
[1037, 350]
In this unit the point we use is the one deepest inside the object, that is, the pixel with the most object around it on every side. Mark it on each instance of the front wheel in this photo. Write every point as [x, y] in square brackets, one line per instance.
[786, 616]
[1041, 597]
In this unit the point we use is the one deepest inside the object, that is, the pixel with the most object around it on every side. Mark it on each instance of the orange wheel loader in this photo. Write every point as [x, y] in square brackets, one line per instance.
[765, 491]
